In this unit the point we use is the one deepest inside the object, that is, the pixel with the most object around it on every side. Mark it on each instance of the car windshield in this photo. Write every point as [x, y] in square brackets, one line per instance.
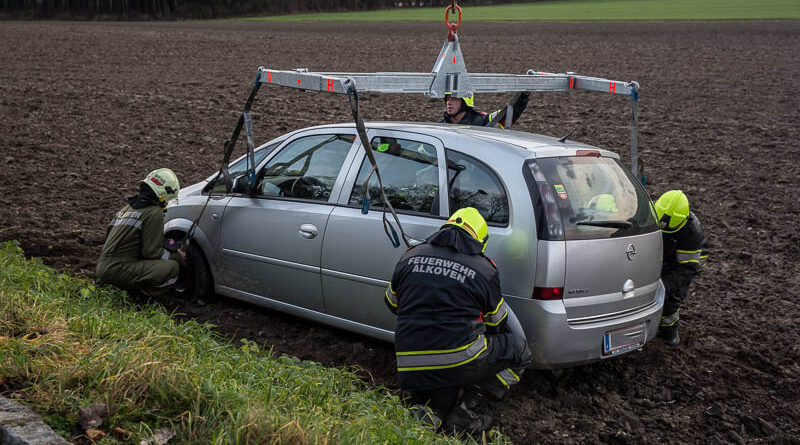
[588, 197]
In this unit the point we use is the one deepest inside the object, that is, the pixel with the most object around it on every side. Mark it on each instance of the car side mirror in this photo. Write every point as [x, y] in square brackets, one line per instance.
[240, 185]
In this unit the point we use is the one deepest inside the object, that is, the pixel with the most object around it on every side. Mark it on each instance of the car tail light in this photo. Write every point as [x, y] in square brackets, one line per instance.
[548, 293]
[593, 153]
[547, 206]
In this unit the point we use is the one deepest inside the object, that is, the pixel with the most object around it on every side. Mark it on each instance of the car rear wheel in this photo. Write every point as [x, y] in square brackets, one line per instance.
[194, 281]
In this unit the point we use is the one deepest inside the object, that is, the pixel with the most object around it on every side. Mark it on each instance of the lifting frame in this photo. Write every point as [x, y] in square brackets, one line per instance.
[449, 76]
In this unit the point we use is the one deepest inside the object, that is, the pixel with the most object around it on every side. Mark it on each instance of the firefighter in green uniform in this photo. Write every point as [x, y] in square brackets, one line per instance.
[135, 255]
[456, 339]
[685, 253]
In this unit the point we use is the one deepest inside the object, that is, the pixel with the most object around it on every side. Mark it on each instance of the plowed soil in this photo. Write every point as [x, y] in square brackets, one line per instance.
[87, 109]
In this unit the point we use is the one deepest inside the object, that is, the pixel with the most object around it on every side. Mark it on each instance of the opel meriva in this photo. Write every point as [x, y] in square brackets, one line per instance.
[571, 230]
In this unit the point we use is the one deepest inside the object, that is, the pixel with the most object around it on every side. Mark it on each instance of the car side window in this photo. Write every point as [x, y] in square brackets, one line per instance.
[410, 175]
[470, 183]
[238, 168]
[306, 168]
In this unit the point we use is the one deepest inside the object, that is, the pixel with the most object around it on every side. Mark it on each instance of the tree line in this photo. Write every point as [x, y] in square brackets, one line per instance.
[197, 9]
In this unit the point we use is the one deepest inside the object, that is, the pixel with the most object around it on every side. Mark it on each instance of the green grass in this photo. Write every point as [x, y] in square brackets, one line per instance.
[572, 10]
[66, 343]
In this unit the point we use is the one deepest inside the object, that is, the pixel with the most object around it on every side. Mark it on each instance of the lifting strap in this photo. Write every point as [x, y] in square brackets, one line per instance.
[635, 132]
[244, 120]
[352, 98]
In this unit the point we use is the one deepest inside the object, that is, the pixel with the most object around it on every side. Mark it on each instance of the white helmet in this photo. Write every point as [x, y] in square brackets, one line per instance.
[164, 184]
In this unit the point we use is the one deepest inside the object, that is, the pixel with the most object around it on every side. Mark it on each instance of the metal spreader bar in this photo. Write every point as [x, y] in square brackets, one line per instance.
[448, 76]
[422, 82]
[456, 81]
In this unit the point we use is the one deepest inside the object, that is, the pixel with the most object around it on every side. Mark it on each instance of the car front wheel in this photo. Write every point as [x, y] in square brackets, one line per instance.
[194, 281]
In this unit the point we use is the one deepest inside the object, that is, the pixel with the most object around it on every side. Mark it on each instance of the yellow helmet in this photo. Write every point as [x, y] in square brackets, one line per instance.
[468, 101]
[470, 220]
[604, 202]
[672, 210]
[164, 184]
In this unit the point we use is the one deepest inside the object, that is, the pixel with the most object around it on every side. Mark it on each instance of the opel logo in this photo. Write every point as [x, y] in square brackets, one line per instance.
[631, 251]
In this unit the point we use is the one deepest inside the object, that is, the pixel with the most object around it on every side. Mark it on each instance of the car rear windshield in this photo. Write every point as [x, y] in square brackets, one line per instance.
[588, 197]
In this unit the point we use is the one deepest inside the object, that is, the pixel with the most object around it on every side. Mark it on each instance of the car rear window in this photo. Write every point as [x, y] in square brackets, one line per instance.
[472, 184]
[588, 197]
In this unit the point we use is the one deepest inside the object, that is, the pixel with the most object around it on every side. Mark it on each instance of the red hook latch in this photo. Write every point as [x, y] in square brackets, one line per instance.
[453, 27]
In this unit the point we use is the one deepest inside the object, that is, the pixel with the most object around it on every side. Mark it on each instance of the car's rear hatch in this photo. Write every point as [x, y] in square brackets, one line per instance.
[598, 239]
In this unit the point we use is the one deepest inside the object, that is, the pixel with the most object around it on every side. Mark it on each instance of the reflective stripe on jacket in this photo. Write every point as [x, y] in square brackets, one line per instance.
[448, 358]
[685, 254]
[445, 299]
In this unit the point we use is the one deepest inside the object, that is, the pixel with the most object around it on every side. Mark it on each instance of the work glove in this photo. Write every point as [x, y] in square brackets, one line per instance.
[523, 98]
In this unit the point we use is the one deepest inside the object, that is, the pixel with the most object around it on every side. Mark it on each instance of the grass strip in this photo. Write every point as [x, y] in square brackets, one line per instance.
[66, 343]
[576, 10]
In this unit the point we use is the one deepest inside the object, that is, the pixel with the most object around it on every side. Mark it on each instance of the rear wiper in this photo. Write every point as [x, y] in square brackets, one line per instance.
[617, 224]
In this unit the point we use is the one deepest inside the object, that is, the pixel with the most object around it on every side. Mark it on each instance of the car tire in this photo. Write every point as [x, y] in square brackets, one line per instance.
[194, 281]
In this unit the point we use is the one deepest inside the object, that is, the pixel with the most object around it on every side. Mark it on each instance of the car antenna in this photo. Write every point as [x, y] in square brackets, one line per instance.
[564, 139]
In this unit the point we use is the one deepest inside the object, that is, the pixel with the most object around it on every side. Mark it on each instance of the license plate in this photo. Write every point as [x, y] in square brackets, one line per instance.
[624, 340]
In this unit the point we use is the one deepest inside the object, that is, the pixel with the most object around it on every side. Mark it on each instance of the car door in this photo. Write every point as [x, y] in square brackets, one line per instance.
[271, 239]
[357, 257]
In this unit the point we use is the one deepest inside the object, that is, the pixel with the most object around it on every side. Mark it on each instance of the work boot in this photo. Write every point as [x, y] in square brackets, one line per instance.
[670, 335]
[426, 415]
[472, 397]
[463, 420]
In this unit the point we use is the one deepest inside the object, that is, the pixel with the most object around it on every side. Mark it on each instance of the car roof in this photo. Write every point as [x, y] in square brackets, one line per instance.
[526, 144]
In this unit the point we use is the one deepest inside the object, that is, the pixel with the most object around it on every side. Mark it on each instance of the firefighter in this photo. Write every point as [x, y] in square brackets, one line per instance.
[456, 339]
[462, 111]
[685, 253]
[135, 255]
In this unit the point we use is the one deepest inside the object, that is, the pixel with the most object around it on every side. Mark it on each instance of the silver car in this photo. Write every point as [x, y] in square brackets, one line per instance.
[572, 231]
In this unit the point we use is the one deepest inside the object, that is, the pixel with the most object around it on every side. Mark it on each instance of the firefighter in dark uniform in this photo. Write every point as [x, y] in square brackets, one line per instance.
[456, 339]
[462, 111]
[135, 255]
[685, 253]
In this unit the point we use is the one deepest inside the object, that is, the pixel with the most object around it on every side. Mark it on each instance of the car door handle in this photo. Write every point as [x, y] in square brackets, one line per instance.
[308, 231]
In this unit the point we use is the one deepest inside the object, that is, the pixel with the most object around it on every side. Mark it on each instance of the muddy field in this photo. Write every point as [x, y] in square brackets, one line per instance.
[86, 110]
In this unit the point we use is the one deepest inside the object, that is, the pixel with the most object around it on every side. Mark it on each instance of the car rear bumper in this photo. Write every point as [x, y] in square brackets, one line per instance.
[557, 344]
